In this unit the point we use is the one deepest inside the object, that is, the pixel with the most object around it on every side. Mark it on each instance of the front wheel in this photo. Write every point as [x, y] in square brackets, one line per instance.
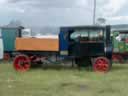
[101, 64]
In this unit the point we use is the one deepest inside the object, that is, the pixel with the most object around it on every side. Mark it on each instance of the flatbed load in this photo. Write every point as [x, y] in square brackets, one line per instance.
[37, 44]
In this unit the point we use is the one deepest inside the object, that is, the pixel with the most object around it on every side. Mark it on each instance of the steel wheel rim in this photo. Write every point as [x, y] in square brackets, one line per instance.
[22, 63]
[101, 65]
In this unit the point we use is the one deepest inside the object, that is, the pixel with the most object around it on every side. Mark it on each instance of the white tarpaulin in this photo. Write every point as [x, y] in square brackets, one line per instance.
[46, 36]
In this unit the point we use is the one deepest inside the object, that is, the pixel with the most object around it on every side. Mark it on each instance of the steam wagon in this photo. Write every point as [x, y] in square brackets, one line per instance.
[9, 35]
[86, 45]
[119, 35]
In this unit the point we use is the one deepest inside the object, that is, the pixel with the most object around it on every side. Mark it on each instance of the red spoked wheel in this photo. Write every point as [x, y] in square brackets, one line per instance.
[22, 63]
[6, 56]
[117, 58]
[101, 64]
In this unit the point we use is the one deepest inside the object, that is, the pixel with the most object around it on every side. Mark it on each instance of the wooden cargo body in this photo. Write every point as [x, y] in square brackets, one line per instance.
[37, 44]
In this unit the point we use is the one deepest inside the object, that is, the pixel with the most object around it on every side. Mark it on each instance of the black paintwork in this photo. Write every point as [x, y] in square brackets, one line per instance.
[82, 49]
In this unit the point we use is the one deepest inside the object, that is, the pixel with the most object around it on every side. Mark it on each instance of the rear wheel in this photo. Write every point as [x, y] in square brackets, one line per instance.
[22, 63]
[101, 64]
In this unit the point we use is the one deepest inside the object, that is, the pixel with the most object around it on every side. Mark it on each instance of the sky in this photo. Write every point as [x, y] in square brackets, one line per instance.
[62, 12]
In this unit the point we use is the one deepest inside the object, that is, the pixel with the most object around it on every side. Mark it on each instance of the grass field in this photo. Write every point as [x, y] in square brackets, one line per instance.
[63, 82]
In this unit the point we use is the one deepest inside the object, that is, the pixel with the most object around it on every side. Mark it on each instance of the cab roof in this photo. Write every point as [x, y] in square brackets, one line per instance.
[83, 27]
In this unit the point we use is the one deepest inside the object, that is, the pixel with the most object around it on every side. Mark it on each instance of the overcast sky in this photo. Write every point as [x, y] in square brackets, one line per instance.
[62, 12]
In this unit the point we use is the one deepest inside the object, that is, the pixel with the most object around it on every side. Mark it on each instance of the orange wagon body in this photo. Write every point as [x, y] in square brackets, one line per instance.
[37, 44]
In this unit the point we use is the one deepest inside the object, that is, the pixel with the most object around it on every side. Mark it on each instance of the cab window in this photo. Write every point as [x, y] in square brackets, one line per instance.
[96, 35]
[88, 35]
[79, 34]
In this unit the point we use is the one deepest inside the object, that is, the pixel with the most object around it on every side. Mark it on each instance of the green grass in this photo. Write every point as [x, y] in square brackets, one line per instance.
[63, 82]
